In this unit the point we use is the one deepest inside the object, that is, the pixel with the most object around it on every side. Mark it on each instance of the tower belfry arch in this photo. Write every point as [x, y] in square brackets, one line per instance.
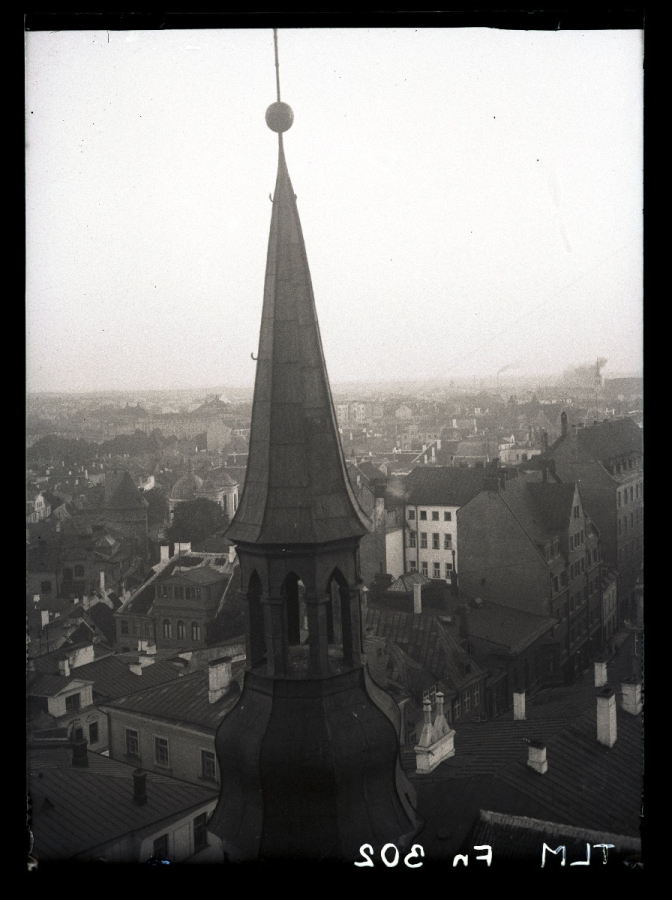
[309, 756]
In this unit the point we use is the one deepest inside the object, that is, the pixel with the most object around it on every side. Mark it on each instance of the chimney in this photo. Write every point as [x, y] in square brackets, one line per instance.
[417, 598]
[64, 667]
[563, 423]
[518, 706]
[139, 787]
[44, 618]
[165, 552]
[101, 581]
[136, 668]
[606, 717]
[600, 673]
[86, 603]
[536, 756]
[491, 483]
[441, 727]
[219, 678]
[631, 697]
[232, 553]
[80, 756]
[463, 618]
[427, 736]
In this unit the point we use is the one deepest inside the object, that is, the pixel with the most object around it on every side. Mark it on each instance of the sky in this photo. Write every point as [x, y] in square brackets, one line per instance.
[471, 199]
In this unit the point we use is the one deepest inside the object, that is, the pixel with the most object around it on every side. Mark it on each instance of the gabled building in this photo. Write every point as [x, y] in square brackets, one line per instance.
[433, 495]
[86, 807]
[606, 460]
[530, 545]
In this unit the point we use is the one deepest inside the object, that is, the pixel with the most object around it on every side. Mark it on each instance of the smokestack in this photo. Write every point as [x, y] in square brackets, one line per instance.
[64, 667]
[219, 678]
[600, 673]
[631, 697]
[563, 423]
[80, 756]
[606, 717]
[164, 549]
[518, 706]
[417, 598]
[536, 756]
[139, 787]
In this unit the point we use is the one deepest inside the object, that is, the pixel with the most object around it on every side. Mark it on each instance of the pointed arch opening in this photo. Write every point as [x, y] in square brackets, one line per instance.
[340, 614]
[257, 644]
[291, 591]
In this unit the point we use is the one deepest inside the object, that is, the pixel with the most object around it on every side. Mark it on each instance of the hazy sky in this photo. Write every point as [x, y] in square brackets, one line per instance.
[470, 199]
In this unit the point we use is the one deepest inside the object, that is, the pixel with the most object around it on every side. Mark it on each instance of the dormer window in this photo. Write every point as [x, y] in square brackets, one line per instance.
[73, 702]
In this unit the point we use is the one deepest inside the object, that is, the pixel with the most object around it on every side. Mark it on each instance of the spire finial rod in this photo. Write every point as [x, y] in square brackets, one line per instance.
[277, 64]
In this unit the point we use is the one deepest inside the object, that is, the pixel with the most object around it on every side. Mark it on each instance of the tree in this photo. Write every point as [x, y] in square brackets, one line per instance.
[195, 520]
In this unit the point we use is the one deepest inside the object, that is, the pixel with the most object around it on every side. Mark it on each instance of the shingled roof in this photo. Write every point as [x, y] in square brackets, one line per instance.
[296, 487]
[121, 492]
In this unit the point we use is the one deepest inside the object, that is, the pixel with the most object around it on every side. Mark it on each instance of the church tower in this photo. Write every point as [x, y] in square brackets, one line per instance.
[309, 756]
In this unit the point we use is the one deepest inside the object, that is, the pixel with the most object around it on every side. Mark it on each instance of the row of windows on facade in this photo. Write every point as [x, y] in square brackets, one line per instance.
[200, 834]
[625, 465]
[162, 754]
[436, 540]
[179, 592]
[424, 568]
[447, 516]
[626, 552]
[636, 518]
[630, 494]
[167, 626]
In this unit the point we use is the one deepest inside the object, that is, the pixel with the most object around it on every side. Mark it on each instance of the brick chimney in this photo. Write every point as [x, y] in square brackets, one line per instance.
[80, 756]
[139, 787]
[518, 706]
[606, 717]
[536, 756]
[417, 598]
[600, 673]
[219, 678]
[631, 697]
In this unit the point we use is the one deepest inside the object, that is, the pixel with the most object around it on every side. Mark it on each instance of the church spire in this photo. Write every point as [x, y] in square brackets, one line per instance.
[296, 489]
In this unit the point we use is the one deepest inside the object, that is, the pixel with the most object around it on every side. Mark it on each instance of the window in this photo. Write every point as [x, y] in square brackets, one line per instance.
[423, 540]
[411, 514]
[576, 512]
[200, 833]
[447, 542]
[632, 520]
[477, 694]
[632, 494]
[195, 631]
[435, 541]
[411, 539]
[77, 733]
[414, 566]
[618, 499]
[135, 626]
[167, 629]
[423, 515]
[132, 744]
[457, 708]
[72, 703]
[424, 568]
[79, 571]
[620, 526]
[45, 587]
[435, 515]
[582, 563]
[161, 847]
[93, 733]
[161, 751]
[447, 517]
[124, 626]
[563, 579]
[208, 768]
[181, 631]
[467, 701]
[556, 586]
[449, 570]
[437, 570]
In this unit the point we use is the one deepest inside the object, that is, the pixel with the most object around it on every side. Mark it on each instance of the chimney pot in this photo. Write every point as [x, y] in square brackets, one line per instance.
[417, 598]
[536, 756]
[606, 717]
[139, 787]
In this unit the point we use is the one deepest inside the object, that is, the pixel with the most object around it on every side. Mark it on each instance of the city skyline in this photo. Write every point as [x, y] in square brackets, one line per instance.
[471, 201]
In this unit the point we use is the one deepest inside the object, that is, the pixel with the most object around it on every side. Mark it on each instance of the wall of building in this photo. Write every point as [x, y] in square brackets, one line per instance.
[184, 745]
[429, 555]
[394, 552]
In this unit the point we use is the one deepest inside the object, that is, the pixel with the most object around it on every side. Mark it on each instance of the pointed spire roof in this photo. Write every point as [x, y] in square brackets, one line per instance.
[296, 487]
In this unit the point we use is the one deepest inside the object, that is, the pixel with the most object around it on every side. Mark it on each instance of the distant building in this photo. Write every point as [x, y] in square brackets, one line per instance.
[37, 508]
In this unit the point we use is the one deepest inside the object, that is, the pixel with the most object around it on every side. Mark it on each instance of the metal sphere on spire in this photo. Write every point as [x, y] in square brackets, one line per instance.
[279, 117]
